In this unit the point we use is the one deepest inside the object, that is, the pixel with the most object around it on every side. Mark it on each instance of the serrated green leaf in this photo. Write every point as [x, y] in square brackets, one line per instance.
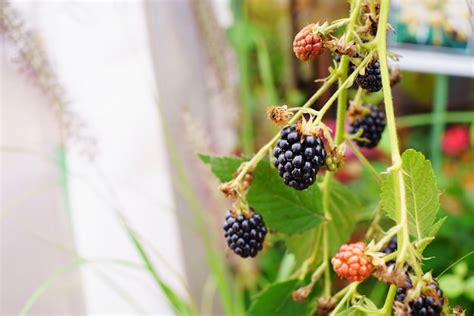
[300, 245]
[283, 208]
[343, 207]
[436, 226]
[222, 167]
[452, 285]
[276, 300]
[422, 195]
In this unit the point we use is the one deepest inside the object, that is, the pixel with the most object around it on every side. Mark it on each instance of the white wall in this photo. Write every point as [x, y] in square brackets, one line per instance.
[101, 55]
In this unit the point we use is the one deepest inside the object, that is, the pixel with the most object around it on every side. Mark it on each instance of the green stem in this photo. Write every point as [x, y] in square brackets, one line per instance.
[387, 307]
[250, 165]
[396, 169]
[341, 94]
[342, 91]
[430, 118]
[351, 288]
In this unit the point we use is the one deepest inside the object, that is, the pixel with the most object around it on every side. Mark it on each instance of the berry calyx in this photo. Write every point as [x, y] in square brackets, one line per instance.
[371, 80]
[245, 236]
[298, 158]
[372, 124]
[429, 302]
[352, 263]
[307, 44]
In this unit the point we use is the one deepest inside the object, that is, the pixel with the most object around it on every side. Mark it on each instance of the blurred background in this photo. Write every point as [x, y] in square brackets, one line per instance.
[105, 206]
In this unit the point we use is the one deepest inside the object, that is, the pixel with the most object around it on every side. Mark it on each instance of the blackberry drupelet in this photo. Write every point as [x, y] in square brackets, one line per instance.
[430, 302]
[298, 158]
[245, 236]
[390, 248]
[372, 124]
[371, 80]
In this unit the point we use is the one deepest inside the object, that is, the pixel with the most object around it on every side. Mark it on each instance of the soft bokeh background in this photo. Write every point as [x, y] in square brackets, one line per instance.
[105, 105]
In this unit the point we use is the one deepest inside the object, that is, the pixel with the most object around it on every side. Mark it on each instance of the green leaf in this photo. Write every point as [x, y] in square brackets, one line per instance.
[344, 208]
[300, 245]
[452, 285]
[422, 194]
[436, 226]
[276, 300]
[469, 288]
[222, 167]
[284, 208]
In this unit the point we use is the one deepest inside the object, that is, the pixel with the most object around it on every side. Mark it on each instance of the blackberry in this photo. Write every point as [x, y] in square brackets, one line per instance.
[245, 236]
[298, 158]
[371, 80]
[307, 44]
[390, 248]
[372, 124]
[430, 302]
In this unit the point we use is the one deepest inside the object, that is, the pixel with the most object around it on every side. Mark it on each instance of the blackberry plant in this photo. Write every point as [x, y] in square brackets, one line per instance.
[316, 220]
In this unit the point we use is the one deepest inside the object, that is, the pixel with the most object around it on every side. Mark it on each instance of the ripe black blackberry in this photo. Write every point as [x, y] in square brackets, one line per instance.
[390, 248]
[298, 158]
[372, 125]
[430, 302]
[245, 236]
[371, 80]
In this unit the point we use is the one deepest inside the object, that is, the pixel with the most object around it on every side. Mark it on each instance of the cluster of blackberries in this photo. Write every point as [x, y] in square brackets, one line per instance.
[372, 124]
[298, 158]
[245, 236]
[371, 80]
[429, 303]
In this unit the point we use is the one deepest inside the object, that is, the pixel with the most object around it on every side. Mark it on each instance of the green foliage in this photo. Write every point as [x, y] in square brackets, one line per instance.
[222, 167]
[422, 194]
[276, 300]
[344, 208]
[282, 207]
[301, 244]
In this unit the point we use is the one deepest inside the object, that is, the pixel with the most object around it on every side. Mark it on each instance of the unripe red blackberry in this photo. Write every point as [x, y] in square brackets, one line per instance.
[372, 124]
[245, 236]
[298, 158]
[351, 262]
[307, 44]
[371, 80]
[430, 301]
